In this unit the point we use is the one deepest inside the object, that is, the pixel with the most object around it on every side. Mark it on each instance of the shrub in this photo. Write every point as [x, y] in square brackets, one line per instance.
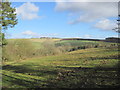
[2, 39]
[17, 49]
[48, 48]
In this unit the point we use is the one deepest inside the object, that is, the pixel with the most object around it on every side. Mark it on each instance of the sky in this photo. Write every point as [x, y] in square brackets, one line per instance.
[64, 20]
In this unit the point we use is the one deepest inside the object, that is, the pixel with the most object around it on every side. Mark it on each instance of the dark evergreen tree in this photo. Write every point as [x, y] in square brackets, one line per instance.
[7, 17]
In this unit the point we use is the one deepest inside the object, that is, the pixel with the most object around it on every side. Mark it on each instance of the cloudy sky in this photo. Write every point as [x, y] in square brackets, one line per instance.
[64, 19]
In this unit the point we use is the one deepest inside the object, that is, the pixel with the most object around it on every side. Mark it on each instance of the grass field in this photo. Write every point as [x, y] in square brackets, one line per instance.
[85, 68]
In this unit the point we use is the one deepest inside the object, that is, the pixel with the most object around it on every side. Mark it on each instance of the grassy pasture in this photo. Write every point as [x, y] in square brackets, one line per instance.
[86, 68]
[83, 42]
[20, 49]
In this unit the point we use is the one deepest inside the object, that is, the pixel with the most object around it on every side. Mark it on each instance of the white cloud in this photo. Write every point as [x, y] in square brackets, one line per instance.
[88, 11]
[105, 24]
[85, 0]
[115, 36]
[64, 0]
[30, 33]
[87, 36]
[51, 34]
[28, 11]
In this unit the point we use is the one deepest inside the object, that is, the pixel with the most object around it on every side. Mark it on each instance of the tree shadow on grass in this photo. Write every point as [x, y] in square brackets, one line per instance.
[24, 81]
[31, 71]
[68, 77]
[21, 82]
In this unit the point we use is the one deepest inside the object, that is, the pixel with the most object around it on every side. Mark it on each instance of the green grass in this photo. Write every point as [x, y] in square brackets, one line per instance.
[72, 45]
[78, 42]
[94, 67]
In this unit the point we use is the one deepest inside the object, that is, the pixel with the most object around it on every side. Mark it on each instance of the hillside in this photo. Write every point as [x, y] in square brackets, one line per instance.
[87, 68]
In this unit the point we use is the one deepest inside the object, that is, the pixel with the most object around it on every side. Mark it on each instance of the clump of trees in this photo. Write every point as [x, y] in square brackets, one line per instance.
[48, 48]
[17, 50]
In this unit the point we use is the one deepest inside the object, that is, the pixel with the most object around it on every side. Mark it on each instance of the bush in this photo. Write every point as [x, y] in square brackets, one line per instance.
[48, 48]
[17, 49]
[2, 39]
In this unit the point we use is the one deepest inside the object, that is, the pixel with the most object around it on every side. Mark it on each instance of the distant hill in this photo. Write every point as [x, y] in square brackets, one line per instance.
[81, 39]
[109, 39]
[112, 39]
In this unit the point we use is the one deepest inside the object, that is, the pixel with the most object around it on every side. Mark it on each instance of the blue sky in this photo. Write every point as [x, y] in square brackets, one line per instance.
[64, 20]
